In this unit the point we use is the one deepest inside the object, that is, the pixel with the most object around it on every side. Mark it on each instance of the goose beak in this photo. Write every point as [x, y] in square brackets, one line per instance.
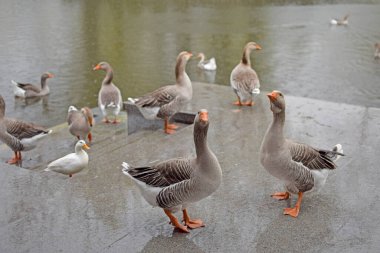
[85, 146]
[272, 96]
[50, 75]
[203, 116]
[97, 67]
[189, 55]
[258, 47]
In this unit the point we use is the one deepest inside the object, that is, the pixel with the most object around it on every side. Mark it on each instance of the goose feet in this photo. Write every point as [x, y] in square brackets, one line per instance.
[192, 223]
[89, 136]
[16, 159]
[296, 209]
[174, 221]
[106, 120]
[238, 103]
[280, 195]
[169, 128]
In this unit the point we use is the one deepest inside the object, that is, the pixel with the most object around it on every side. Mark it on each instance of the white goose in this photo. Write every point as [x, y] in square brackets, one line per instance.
[167, 100]
[176, 183]
[71, 163]
[206, 64]
[109, 98]
[302, 167]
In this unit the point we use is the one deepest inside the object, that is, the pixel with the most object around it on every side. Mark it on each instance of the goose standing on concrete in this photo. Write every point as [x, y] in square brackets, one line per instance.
[19, 135]
[71, 163]
[206, 64]
[80, 122]
[336, 21]
[244, 80]
[109, 95]
[377, 51]
[300, 166]
[167, 100]
[27, 90]
[176, 183]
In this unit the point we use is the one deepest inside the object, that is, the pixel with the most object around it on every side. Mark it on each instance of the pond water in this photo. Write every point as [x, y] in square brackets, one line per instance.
[302, 54]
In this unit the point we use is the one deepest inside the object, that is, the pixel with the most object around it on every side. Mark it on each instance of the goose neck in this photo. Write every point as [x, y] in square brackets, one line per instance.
[109, 76]
[246, 57]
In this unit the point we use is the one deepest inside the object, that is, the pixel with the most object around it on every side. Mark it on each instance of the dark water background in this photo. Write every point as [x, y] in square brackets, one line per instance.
[302, 54]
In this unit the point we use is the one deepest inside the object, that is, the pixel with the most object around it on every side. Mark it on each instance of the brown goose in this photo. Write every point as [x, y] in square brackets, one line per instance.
[337, 21]
[377, 51]
[19, 135]
[109, 95]
[80, 122]
[176, 183]
[27, 90]
[244, 80]
[302, 167]
[167, 100]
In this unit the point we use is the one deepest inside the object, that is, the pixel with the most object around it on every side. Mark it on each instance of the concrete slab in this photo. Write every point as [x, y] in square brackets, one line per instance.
[101, 210]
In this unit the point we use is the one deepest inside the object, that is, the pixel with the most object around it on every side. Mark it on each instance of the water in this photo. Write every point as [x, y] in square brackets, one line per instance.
[302, 54]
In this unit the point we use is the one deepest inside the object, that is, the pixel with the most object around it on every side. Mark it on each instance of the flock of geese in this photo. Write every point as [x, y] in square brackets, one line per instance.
[174, 184]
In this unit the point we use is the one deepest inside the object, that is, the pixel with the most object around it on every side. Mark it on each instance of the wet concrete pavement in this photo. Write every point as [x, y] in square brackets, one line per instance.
[101, 210]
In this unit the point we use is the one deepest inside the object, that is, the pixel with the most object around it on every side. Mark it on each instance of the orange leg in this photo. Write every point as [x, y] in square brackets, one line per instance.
[175, 222]
[115, 121]
[238, 102]
[106, 120]
[251, 103]
[280, 195]
[89, 136]
[192, 223]
[296, 209]
[169, 129]
[15, 159]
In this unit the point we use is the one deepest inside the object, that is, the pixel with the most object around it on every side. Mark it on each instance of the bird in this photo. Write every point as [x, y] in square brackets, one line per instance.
[336, 21]
[71, 163]
[244, 80]
[80, 122]
[302, 167]
[27, 90]
[176, 183]
[167, 100]
[19, 135]
[109, 97]
[206, 64]
[377, 51]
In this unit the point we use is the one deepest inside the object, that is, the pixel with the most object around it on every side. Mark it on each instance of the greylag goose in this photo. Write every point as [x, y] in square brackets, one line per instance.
[377, 51]
[336, 21]
[176, 183]
[80, 122]
[244, 80]
[27, 90]
[167, 100]
[19, 135]
[71, 163]
[206, 64]
[109, 95]
[303, 168]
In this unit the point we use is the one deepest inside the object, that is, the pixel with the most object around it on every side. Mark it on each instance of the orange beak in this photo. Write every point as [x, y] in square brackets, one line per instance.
[189, 54]
[85, 146]
[203, 116]
[97, 67]
[272, 96]
[258, 47]
[50, 75]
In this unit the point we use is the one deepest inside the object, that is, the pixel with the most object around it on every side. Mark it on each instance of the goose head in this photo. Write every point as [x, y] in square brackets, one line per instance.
[72, 109]
[89, 115]
[46, 75]
[2, 107]
[277, 101]
[201, 124]
[184, 56]
[81, 144]
[102, 65]
[252, 46]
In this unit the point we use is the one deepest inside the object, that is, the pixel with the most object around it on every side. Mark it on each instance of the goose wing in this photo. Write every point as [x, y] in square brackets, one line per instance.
[29, 87]
[245, 80]
[159, 97]
[21, 130]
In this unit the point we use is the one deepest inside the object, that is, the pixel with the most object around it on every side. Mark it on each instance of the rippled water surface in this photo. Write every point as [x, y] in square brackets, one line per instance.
[302, 54]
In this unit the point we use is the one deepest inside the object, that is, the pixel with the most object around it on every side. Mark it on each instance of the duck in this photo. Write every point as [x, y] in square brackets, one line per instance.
[80, 122]
[19, 135]
[27, 90]
[303, 168]
[206, 64]
[244, 80]
[167, 100]
[109, 97]
[336, 21]
[377, 51]
[71, 163]
[176, 183]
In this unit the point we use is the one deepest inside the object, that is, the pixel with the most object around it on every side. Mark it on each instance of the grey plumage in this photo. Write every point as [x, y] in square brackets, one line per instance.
[30, 90]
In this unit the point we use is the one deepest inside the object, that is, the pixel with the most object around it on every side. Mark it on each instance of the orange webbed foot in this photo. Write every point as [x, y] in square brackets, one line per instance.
[292, 211]
[106, 120]
[175, 223]
[195, 223]
[249, 104]
[169, 131]
[172, 126]
[115, 121]
[13, 160]
[238, 103]
[280, 195]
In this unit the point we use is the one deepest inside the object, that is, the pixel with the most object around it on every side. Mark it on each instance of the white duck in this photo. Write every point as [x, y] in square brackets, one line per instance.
[176, 183]
[244, 80]
[71, 163]
[302, 167]
[109, 98]
[206, 64]
[167, 100]
[336, 21]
